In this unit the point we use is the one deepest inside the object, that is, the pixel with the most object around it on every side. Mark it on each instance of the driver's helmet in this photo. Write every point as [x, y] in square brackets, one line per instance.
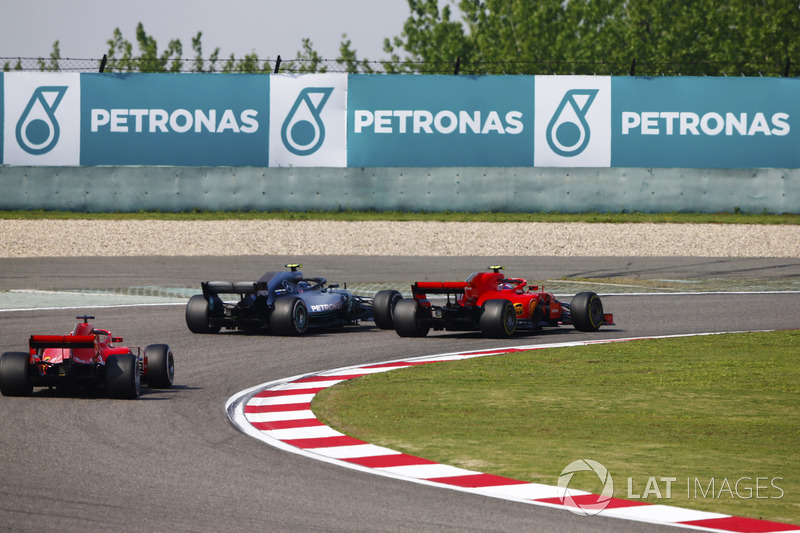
[303, 286]
[504, 285]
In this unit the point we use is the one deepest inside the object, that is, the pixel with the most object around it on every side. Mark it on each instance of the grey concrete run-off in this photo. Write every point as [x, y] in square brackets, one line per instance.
[471, 189]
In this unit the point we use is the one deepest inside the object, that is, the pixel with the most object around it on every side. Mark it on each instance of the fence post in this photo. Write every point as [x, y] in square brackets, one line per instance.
[103, 63]
[458, 65]
[788, 66]
[633, 67]
[277, 64]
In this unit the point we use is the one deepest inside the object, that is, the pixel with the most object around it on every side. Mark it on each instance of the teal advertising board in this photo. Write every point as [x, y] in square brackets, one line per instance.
[2, 114]
[705, 122]
[174, 119]
[440, 121]
[366, 120]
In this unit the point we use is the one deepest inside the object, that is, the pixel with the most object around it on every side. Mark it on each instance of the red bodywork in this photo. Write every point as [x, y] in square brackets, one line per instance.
[84, 345]
[496, 305]
[483, 286]
[87, 357]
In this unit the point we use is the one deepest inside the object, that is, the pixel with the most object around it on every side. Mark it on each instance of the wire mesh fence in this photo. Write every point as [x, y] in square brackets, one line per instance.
[251, 64]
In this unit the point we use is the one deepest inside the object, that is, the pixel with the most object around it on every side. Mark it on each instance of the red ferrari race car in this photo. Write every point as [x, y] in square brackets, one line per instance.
[496, 305]
[87, 357]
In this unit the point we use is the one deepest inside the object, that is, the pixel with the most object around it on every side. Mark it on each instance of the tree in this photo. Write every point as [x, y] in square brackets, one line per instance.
[731, 38]
[52, 65]
[120, 54]
[150, 60]
[199, 61]
[602, 36]
[308, 60]
[429, 38]
[694, 37]
[121, 57]
[7, 65]
[349, 58]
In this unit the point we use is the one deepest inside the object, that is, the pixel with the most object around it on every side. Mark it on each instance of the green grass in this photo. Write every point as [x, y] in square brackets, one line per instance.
[446, 216]
[699, 409]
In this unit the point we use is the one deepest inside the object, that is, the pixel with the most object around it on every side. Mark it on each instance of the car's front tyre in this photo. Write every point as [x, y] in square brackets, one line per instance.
[498, 320]
[383, 308]
[586, 311]
[160, 366]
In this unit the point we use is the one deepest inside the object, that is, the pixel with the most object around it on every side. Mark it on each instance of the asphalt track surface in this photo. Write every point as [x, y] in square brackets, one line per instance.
[171, 461]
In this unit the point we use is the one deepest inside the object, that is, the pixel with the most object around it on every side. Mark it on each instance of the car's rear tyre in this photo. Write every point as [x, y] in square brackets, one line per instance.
[498, 320]
[406, 319]
[198, 314]
[122, 379]
[586, 310]
[15, 376]
[160, 366]
[383, 308]
[290, 316]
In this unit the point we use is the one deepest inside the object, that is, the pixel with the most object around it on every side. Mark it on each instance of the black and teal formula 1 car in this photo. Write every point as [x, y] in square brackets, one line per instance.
[284, 303]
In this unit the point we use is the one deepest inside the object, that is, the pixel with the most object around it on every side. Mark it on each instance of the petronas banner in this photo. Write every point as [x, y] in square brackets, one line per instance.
[379, 120]
[706, 122]
[439, 121]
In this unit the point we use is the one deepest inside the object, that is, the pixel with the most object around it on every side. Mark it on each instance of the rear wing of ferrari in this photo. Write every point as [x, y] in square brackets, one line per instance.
[40, 342]
[421, 289]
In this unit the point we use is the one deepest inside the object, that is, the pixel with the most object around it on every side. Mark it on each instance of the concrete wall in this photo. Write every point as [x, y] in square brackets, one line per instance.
[513, 189]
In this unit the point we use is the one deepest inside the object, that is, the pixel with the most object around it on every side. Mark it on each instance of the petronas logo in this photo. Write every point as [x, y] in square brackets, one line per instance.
[568, 132]
[37, 128]
[303, 131]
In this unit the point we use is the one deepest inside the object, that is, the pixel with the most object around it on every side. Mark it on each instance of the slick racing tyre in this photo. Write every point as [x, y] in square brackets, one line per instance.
[15, 376]
[122, 379]
[160, 366]
[198, 314]
[586, 310]
[406, 319]
[290, 316]
[498, 320]
[383, 308]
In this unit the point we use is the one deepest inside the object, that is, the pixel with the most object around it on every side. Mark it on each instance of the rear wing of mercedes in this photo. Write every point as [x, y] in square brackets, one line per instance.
[211, 288]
